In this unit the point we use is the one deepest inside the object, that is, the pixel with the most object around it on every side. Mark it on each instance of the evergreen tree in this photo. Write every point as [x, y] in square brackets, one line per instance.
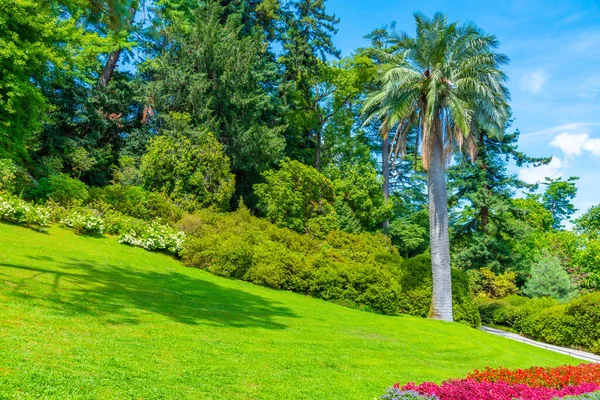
[307, 42]
[486, 224]
[557, 199]
[226, 82]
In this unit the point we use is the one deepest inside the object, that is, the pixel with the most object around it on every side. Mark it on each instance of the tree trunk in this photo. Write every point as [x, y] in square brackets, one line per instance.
[113, 58]
[317, 163]
[385, 168]
[109, 67]
[441, 305]
[485, 210]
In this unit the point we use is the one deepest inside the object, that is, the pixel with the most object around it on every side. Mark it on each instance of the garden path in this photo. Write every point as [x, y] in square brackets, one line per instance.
[583, 355]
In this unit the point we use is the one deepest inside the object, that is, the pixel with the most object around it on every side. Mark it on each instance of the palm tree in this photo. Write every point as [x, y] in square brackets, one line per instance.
[447, 84]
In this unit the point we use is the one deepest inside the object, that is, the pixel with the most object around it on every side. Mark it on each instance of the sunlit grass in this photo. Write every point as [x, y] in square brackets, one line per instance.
[85, 317]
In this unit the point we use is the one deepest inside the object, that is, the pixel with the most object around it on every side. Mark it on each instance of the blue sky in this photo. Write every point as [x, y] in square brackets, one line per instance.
[554, 73]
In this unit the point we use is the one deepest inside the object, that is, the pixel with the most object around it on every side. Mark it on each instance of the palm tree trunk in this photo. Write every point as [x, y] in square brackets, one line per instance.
[441, 305]
[385, 166]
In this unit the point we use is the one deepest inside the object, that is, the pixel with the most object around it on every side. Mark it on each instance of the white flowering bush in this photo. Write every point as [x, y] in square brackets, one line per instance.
[16, 210]
[154, 236]
[84, 221]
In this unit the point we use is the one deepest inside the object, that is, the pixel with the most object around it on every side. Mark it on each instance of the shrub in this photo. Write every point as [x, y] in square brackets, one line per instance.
[574, 324]
[486, 282]
[296, 194]
[63, 190]
[83, 221]
[154, 236]
[512, 310]
[584, 315]
[548, 278]
[8, 175]
[188, 165]
[362, 271]
[136, 202]
[16, 210]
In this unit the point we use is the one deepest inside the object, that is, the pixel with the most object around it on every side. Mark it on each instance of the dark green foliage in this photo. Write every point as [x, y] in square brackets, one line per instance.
[89, 127]
[224, 78]
[574, 324]
[40, 42]
[301, 198]
[358, 200]
[487, 224]
[357, 270]
[411, 234]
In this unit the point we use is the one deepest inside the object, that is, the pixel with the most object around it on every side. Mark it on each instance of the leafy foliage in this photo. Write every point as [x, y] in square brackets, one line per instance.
[486, 282]
[297, 197]
[189, 166]
[41, 41]
[357, 270]
[574, 324]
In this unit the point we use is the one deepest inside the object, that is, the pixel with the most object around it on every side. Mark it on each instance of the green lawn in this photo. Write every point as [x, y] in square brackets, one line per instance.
[84, 317]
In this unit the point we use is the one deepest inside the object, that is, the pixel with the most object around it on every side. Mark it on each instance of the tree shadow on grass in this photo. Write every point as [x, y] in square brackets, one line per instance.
[119, 295]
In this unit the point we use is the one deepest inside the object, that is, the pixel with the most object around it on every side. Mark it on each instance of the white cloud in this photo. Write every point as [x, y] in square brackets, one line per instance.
[538, 174]
[573, 144]
[580, 127]
[593, 146]
[534, 81]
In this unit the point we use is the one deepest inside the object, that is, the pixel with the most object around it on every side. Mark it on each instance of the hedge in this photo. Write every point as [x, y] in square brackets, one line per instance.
[574, 324]
[362, 271]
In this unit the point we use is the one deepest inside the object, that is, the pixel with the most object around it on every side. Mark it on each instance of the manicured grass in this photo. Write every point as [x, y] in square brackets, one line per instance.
[84, 317]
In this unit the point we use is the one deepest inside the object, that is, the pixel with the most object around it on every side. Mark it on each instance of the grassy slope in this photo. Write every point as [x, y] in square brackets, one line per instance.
[85, 317]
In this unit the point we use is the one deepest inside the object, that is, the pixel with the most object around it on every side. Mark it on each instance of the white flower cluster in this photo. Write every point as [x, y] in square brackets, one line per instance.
[84, 222]
[14, 209]
[154, 236]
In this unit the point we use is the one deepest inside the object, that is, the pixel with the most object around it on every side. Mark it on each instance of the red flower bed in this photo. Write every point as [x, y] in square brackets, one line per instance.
[538, 377]
[463, 389]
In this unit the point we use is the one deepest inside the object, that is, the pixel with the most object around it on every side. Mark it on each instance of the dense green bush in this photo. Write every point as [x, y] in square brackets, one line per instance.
[83, 221]
[61, 189]
[362, 271]
[136, 202]
[295, 195]
[574, 324]
[189, 165]
[496, 286]
[8, 175]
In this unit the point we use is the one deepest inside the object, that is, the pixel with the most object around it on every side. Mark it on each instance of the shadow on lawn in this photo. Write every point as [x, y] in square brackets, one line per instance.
[119, 295]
